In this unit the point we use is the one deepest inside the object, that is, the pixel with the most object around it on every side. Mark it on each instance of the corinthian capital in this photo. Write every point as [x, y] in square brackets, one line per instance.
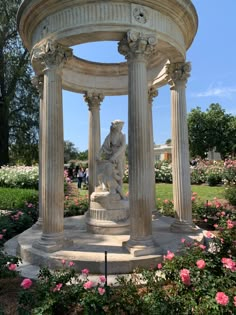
[50, 54]
[179, 71]
[137, 44]
[93, 99]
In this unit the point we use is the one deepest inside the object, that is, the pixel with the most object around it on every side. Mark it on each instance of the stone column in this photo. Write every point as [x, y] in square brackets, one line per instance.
[37, 81]
[93, 100]
[152, 92]
[178, 74]
[137, 48]
[52, 56]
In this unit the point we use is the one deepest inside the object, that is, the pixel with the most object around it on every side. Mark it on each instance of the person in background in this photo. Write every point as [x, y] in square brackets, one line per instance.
[86, 176]
[80, 176]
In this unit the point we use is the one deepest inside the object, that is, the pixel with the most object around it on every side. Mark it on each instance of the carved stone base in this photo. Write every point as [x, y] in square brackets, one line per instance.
[183, 227]
[142, 247]
[108, 214]
[38, 224]
[50, 243]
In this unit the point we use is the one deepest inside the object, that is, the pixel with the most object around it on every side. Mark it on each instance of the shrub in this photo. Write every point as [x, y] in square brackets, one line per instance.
[230, 194]
[199, 281]
[8, 265]
[198, 175]
[19, 176]
[229, 173]
[75, 206]
[166, 207]
[163, 172]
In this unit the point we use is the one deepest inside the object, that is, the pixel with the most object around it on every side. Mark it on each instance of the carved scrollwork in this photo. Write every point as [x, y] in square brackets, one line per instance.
[51, 54]
[140, 15]
[137, 44]
[93, 99]
[152, 92]
[179, 71]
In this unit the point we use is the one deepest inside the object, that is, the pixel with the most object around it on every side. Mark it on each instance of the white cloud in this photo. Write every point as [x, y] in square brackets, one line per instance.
[217, 91]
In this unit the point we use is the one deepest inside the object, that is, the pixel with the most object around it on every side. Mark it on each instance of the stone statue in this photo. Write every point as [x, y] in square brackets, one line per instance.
[111, 160]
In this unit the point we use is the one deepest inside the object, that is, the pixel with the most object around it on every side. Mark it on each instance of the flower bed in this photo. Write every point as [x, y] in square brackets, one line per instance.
[202, 280]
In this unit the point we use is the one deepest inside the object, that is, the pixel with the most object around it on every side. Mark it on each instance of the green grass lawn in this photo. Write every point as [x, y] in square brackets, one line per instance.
[164, 191]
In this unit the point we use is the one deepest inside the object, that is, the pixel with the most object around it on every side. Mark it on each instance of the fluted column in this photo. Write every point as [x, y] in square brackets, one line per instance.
[152, 92]
[93, 100]
[178, 74]
[38, 83]
[52, 56]
[137, 48]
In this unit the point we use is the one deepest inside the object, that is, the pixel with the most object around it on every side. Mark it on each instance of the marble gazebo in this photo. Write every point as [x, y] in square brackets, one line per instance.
[154, 36]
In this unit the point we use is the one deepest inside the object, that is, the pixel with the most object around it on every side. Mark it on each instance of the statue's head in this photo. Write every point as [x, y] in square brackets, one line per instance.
[117, 124]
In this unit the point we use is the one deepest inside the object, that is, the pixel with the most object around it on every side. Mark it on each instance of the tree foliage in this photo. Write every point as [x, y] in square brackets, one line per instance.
[19, 107]
[70, 151]
[83, 156]
[213, 129]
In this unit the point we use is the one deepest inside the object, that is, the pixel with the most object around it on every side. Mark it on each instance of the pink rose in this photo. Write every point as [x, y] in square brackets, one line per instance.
[169, 255]
[183, 240]
[4, 230]
[57, 287]
[88, 285]
[102, 279]
[26, 283]
[230, 224]
[234, 300]
[201, 264]
[12, 267]
[193, 198]
[71, 264]
[85, 271]
[63, 261]
[101, 291]
[1, 236]
[208, 234]
[222, 298]
[203, 247]
[229, 263]
[159, 266]
[185, 276]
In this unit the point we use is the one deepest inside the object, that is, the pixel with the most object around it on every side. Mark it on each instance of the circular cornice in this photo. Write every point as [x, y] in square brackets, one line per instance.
[70, 22]
[181, 12]
[109, 79]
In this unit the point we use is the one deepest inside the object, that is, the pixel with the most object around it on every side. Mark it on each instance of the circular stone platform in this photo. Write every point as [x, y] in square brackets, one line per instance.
[88, 249]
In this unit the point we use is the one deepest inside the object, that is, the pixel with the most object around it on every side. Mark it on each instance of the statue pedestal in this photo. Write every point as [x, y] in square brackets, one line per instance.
[108, 214]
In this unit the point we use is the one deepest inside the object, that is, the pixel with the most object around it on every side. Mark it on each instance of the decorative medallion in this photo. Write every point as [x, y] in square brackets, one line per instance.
[140, 15]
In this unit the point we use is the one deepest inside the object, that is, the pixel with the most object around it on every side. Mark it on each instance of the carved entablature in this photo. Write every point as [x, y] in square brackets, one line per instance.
[178, 72]
[137, 45]
[50, 54]
[93, 99]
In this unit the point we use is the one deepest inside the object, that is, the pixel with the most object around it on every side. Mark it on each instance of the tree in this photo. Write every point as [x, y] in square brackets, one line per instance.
[19, 107]
[70, 151]
[197, 127]
[168, 142]
[213, 129]
[83, 156]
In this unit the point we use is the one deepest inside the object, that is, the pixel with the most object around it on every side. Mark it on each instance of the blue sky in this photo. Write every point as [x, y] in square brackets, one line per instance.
[213, 77]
